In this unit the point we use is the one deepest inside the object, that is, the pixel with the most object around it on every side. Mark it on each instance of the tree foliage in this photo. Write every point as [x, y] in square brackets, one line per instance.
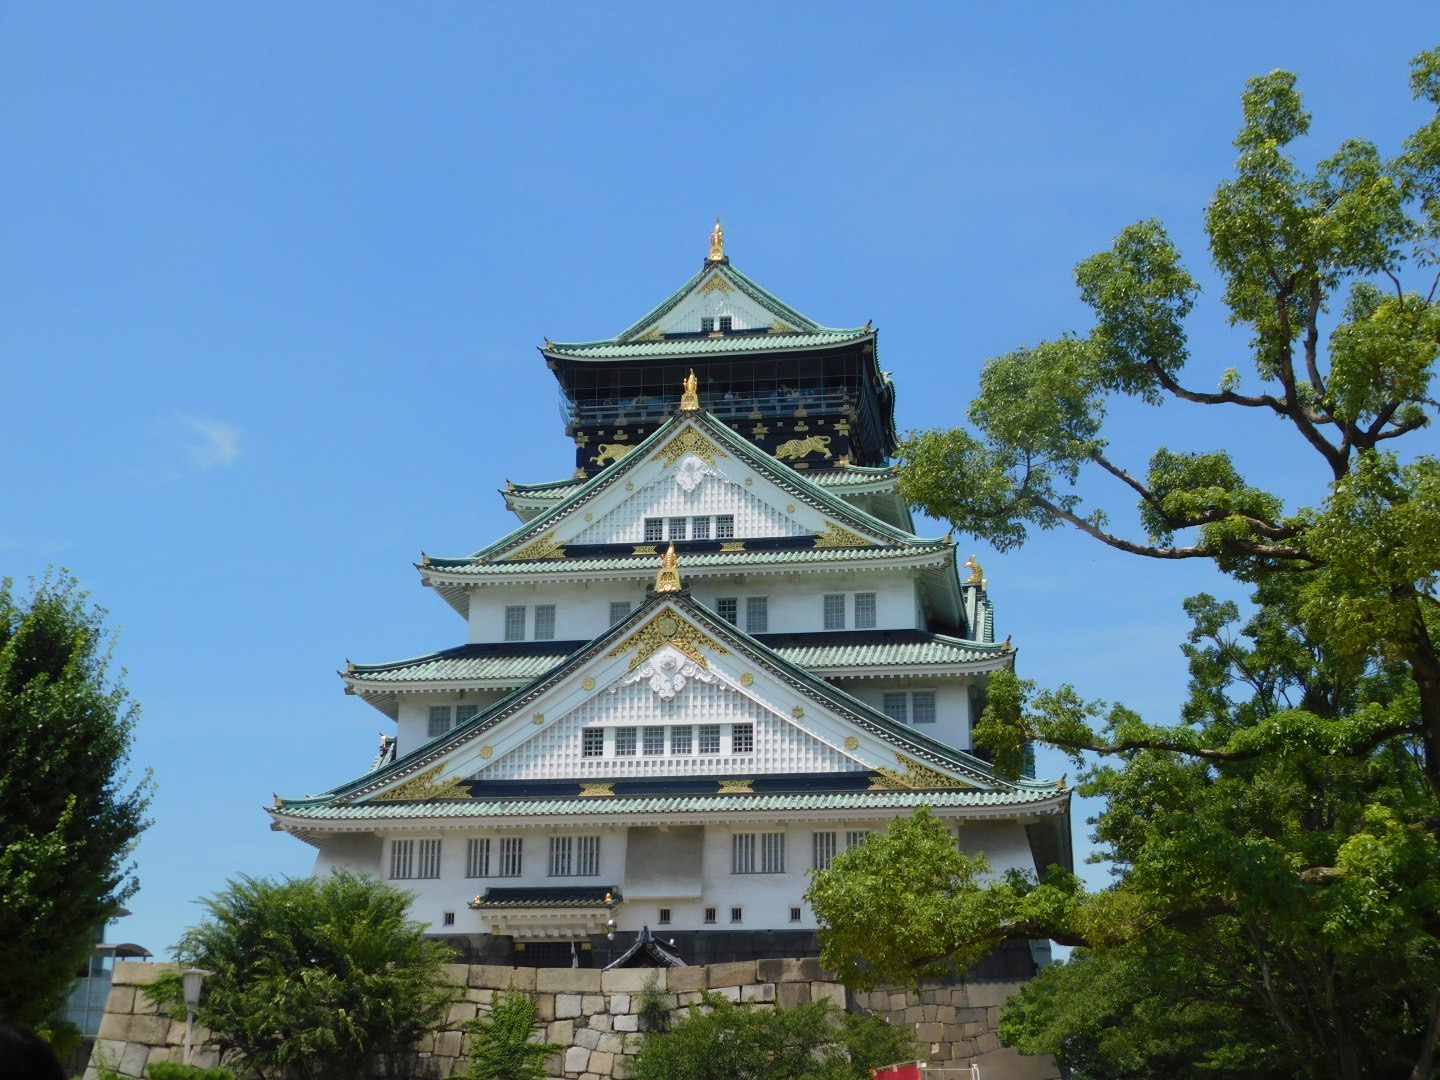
[721, 1040]
[1275, 849]
[501, 1042]
[313, 978]
[69, 813]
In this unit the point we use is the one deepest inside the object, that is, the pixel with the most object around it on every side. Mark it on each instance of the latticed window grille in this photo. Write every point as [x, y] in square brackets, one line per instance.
[624, 742]
[822, 849]
[464, 711]
[700, 528]
[856, 837]
[742, 853]
[676, 528]
[709, 738]
[477, 857]
[742, 738]
[544, 622]
[681, 740]
[587, 856]
[897, 705]
[864, 611]
[654, 530]
[439, 722]
[834, 611]
[728, 608]
[709, 914]
[560, 856]
[757, 614]
[592, 742]
[736, 914]
[429, 863]
[618, 610]
[402, 858]
[512, 851]
[730, 510]
[654, 740]
[724, 526]
[772, 853]
[922, 707]
[515, 622]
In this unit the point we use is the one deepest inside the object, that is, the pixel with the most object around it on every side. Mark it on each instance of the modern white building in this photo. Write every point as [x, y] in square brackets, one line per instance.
[707, 663]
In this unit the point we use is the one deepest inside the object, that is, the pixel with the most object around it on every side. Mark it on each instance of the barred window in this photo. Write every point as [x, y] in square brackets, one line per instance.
[709, 914]
[897, 706]
[757, 614]
[822, 849]
[922, 707]
[544, 622]
[742, 853]
[654, 530]
[429, 859]
[834, 611]
[402, 858]
[680, 740]
[477, 857]
[795, 914]
[676, 528]
[724, 526]
[742, 738]
[700, 528]
[856, 837]
[772, 853]
[624, 741]
[439, 722]
[663, 917]
[464, 711]
[864, 611]
[736, 913]
[587, 856]
[728, 608]
[560, 856]
[618, 610]
[592, 742]
[512, 850]
[654, 740]
[709, 738]
[515, 623]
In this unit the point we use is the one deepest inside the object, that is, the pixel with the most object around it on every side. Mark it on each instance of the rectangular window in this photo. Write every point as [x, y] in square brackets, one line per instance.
[727, 323]
[560, 856]
[663, 918]
[592, 742]
[724, 526]
[429, 859]
[834, 611]
[707, 324]
[822, 849]
[795, 914]
[515, 623]
[587, 856]
[544, 622]
[676, 528]
[654, 740]
[624, 741]
[512, 851]
[856, 837]
[728, 608]
[757, 614]
[439, 722]
[735, 914]
[654, 530]
[477, 857]
[897, 706]
[680, 741]
[709, 738]
[922, 707]
[742, 853]
[700, 528]
[618, 610]
[742, 738]
[772, 853]
[710, 914]
[864, 611]
[402, 858]
[464, 712]
[447, 919]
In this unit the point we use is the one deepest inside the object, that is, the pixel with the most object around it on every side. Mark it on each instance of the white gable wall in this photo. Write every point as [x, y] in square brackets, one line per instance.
[952, 704]
[665, 497]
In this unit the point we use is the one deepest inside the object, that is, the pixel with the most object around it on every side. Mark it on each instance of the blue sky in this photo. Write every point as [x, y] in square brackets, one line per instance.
[274, 275]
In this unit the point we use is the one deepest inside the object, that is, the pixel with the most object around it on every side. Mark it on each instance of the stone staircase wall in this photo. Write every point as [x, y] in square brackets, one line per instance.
[595, 1015]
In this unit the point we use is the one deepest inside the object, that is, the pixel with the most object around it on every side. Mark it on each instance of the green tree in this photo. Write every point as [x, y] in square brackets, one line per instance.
[1275, 850]
[69, 814]
[720, 1040]
[500, 1042]
[313, 978]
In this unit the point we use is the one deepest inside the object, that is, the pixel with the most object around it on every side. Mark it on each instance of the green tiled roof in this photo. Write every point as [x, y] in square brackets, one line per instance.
[718, 559]
[664, 804]
[528, 661]
[865, 650]
[850, 476]
[609, 350]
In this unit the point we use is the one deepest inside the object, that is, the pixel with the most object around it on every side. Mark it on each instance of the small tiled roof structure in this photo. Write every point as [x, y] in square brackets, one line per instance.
[647, 952]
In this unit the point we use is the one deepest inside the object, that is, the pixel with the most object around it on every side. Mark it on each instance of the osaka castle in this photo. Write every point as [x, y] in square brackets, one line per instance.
[702, 666]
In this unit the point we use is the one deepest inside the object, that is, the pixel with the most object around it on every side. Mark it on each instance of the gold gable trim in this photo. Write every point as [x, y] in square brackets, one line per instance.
[717, 283]
[837, 536]
[737, 787]
[691, 441]
[544, 548]
[428, 786]
[596, 790]
[668, 628]
[916, 776]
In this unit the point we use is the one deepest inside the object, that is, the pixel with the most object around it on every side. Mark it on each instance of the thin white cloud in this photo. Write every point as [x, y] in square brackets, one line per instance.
[209, 442]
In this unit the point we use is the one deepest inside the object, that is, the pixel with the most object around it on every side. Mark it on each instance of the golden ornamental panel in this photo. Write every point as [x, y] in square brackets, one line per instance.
[737, 787]
[668, 628]
[691, 441]
[596, 790]
[426, 787]
[835, 536]
[544, 548]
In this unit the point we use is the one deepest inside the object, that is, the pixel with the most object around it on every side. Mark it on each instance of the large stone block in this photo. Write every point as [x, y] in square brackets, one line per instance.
[566, 1006]
[496, 977]
[601, 1062]
[138, 973]
[790, 994]
[601, 1021]
[149, 1030]
[447, 1044]
[758, 992]
[1009, 1063]
[120, 1000]
[619, 1003]
[737, 974]
[567, 980]
[632, 980]
[545, 1006]
[829, 991]
[680, 980]
[627, 1023]
[577, 1058]
[560, 1031]
[610, 1043]
[456, 974]
[990, 994]
[929, 1033]
[591, 1004]
[589, 1037]
[133, 1059]
[731, 992]
[459, 1013]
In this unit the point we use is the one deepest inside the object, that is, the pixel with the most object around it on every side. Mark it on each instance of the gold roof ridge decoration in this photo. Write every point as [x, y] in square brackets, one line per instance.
[690, 398]
[426, 787]
[668, 628]
[717, 244]
[690, 441]
[915, 776]
[839, 536]
[667, 578]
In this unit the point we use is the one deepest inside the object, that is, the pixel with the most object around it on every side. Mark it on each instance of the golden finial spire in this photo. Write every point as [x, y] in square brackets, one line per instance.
[668, 579]
[690, 398]
[717, 243]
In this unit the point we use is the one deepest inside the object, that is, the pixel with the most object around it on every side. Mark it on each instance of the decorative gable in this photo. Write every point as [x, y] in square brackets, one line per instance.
[715, 305]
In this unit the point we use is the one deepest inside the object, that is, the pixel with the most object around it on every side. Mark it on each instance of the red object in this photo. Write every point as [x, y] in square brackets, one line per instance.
[911, 1071]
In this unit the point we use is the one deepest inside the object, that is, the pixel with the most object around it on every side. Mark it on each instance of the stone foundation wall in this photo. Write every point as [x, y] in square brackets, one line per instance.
[595, 1015]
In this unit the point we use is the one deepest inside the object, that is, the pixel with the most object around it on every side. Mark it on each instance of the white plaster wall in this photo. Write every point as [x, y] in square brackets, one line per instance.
[952, 704]
[582, 609]
[413, 721]
[1003, 843]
